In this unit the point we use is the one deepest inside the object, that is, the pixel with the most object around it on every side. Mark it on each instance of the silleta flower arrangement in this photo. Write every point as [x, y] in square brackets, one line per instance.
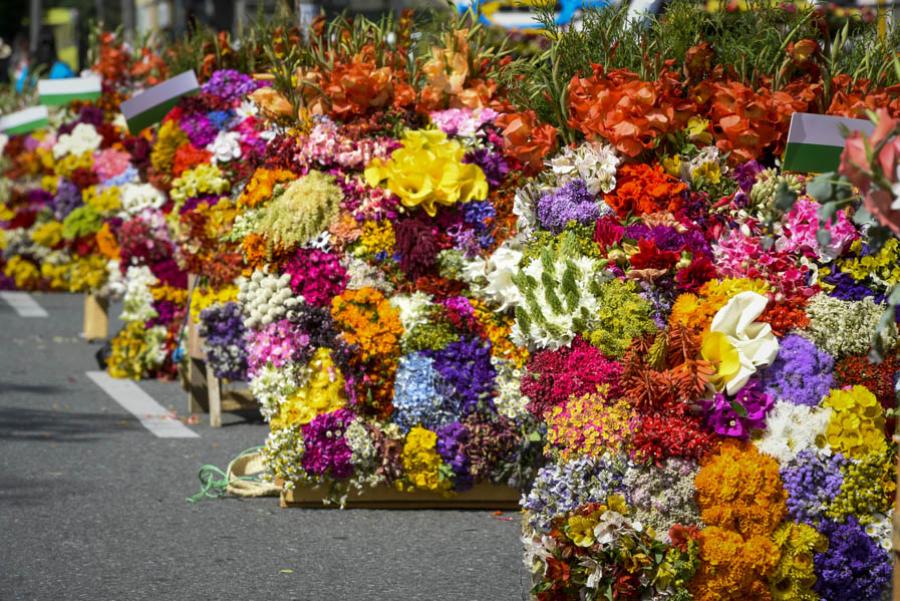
[590, 280]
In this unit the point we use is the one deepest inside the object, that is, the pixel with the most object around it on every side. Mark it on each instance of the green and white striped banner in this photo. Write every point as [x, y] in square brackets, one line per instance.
[59, 92]
[150, 106]
[815, 142]
[25, 121]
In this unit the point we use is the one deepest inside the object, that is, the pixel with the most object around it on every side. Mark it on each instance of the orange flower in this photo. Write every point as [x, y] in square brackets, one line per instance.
[642, 189]
[107, 243]
[187, 156]
[628, 112]
[254, 248]
[525, 140]
[259, 190]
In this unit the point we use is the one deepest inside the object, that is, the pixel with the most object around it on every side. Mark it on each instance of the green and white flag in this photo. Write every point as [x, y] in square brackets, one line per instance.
[150, 106]
[59, 92]
[815, 142]
[25, 121]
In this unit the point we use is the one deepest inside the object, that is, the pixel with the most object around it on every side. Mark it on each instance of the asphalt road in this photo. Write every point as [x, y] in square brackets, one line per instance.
[92, 504]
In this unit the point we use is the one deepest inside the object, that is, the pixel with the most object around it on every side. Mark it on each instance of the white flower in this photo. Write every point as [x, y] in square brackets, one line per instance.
[413, 309]
[137, 303]
[754, 341]
[498, 270]
[792, 428]
[226, 147]
[595, 163]
[137, 197]
[84, 138]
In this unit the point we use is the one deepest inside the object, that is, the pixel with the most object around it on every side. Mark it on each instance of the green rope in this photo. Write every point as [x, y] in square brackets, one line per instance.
[214, 481]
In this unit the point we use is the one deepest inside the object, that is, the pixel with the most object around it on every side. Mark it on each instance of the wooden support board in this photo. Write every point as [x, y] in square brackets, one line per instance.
[481, 496]
[96, 318]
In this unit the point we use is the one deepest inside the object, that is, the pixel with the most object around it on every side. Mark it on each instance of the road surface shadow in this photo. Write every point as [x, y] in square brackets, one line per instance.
[17, 423]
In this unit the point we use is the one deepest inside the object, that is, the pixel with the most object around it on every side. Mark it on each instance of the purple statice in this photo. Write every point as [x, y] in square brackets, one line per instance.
[739, 416]
[811, 482]
[38, 198]
[492, 163]
[230, 85]
[465, 365]
[451, 439]
[571, 202]
[800, 374]
[848, 289]
[853, 567]
[560, 488]
[91, 115]
[327, 452]
[224, 337]
[199, 129]
[480, 216]
[67, 199]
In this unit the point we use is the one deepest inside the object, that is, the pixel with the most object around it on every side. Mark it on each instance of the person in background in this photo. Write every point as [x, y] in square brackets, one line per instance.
[45, 63]
[5, 54]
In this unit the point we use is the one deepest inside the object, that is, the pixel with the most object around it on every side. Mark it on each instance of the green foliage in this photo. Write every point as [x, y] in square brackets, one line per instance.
[622, 316]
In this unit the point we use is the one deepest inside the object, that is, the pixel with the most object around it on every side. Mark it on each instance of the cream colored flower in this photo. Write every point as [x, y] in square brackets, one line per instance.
[754, 341]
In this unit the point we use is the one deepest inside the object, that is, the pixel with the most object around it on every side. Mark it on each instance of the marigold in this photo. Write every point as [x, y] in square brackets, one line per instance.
[740, 489]
[642, 189]
[733, 568]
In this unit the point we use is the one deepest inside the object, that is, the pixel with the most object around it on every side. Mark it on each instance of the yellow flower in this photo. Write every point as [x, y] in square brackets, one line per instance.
[47, 234]
[698, 130]
[322, 393]
[717, 350]
[856, 427]
[428, 171]
[580, 529]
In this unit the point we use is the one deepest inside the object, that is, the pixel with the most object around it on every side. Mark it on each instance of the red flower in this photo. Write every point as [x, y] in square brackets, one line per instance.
[650, 257]
[700, 271]
[525, 140]
[558, 571]
[608, 232]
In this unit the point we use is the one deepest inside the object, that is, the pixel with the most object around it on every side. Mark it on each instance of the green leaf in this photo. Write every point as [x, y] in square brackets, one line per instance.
[894, 296]
[823, 237]
[821, 187]
[784, 197]
[738, 408]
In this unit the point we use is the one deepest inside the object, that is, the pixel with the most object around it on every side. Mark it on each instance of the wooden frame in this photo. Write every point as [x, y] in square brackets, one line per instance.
[95, 325]
[481, 496]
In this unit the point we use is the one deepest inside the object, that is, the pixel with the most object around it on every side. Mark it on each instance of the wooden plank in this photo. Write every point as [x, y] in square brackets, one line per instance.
[481, 496]
[214, 389]
[96, 317]
[198, 397]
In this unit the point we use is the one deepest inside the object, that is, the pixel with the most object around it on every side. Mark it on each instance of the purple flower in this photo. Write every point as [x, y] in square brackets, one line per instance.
[199, 129]
[737, 417]
[571, 202]
[224, 337]
[492, 163]
[327, 452]
[853, 567]
[451, 440]
[848, 289]
[745, 175]
[67, 199]
[230, 85]
[465, 365]
[812, 482]
[800, 374]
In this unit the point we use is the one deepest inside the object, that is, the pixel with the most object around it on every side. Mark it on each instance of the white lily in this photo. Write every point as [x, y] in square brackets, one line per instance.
[754, 341]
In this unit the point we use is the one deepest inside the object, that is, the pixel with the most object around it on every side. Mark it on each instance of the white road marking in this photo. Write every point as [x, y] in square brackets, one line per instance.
[24, 305]
[151, 414]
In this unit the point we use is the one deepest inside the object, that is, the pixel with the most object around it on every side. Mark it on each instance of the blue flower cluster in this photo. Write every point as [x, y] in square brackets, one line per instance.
[418, 394]
[812, 482]
[800, 374]
[853, 567]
